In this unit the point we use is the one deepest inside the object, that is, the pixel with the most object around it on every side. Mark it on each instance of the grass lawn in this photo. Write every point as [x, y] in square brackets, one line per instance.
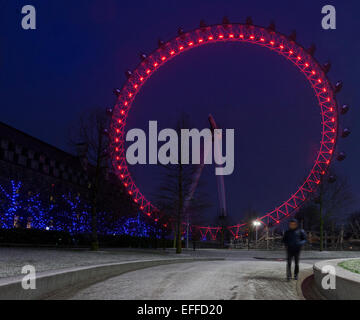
[351, 265]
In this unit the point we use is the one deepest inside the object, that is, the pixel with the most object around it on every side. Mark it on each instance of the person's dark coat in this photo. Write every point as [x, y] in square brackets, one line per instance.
[294, 239]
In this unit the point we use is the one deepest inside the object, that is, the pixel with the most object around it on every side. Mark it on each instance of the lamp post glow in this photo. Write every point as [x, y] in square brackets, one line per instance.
[256, 224]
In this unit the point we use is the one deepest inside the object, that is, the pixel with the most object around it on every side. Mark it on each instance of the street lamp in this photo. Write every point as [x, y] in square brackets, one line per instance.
[256, 224]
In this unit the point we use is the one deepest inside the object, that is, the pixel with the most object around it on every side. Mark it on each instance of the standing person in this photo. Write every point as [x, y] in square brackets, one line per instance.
[294, 238]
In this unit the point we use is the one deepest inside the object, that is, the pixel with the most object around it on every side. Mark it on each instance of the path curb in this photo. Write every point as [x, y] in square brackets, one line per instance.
[347, 282]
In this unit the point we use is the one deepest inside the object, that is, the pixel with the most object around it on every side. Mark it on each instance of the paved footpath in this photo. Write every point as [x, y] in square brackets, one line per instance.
[218, 280]
[243, 274]
[12, 259]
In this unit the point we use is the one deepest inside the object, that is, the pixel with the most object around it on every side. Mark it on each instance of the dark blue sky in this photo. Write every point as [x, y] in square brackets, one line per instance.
[81, 49]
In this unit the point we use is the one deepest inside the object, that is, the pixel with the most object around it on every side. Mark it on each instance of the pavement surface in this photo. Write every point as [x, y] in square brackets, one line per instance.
[216, 280]
[243, 274]
[12, 259]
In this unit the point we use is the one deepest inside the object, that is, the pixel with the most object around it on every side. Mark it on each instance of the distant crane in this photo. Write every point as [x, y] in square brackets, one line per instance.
[219, 178]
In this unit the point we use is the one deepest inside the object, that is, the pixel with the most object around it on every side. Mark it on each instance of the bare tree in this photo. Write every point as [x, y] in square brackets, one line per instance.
[331, 200]
[172, 195]
[90, 138]
[175, 196]
[353, 222]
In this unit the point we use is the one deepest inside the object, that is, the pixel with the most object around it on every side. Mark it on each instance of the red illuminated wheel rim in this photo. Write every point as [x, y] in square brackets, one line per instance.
[271, 40]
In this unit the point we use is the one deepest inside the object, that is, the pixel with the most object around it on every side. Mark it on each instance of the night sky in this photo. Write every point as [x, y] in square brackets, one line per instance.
[80, 50]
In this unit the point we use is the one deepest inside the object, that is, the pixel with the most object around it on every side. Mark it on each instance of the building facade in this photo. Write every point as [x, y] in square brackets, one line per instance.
[57, 177]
